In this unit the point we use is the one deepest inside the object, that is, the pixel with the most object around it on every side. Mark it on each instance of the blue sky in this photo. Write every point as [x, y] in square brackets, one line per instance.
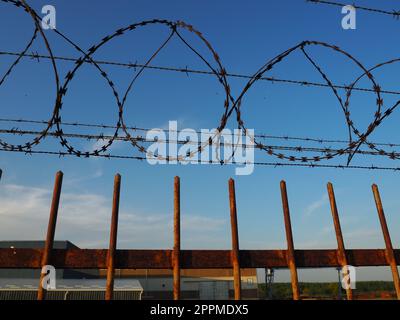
[245, 37]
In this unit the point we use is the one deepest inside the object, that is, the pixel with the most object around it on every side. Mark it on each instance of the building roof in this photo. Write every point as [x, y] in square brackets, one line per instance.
[20, 244]
[72, 284]
[195, 273]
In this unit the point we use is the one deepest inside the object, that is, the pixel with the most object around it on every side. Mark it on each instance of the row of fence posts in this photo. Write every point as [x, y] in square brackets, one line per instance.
[235, 251]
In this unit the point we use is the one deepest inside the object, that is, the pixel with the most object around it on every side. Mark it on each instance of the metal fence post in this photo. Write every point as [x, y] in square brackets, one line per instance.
[113, 239]
[51, 230]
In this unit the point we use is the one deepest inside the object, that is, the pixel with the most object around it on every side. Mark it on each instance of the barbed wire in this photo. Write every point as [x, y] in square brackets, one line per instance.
[61, 154]
[186, 70]
[145, 130]
[393, 13]
[219, 144]
[231, 104]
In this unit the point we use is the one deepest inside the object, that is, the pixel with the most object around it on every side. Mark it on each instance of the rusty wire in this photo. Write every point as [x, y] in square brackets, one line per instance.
[186, 70]
[218, 144]
[62, 154]
[393, 13]
[36, 20]
[231, 104]
[140, 129]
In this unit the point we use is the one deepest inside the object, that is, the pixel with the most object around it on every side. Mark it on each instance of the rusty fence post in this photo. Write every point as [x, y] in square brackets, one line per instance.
[177, 240]
[342, 257]
[290, 253]
[390, 257]
[235, 242]
[113, 239]
[51, 230]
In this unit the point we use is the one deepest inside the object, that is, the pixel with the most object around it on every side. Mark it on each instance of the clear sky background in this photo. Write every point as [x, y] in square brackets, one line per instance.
[245, 35]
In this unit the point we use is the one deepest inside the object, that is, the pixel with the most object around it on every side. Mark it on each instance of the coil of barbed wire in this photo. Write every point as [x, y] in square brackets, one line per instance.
[269, 66]
[232, 106]
[36, 20]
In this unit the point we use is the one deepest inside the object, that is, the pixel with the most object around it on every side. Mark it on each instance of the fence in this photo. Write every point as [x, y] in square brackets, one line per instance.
[176, 258]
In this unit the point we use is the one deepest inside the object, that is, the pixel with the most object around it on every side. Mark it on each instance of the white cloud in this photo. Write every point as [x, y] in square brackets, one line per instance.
[85, 220]
[316, 205]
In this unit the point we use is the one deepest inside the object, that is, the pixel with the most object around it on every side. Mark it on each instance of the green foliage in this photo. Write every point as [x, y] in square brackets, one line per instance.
[283, 291]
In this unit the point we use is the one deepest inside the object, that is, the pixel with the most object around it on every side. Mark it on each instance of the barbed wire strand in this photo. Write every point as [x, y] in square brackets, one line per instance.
[144, 130]
[224, 144]
[186, 70]
[393, 13]
[199, 161]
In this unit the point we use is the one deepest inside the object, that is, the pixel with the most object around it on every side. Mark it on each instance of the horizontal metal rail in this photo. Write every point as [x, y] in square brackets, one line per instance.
[190, 259]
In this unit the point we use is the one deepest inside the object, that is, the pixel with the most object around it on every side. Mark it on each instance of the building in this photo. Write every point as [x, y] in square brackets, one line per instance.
[199, 284]
[35, 273]
[203, 284]
[70, 289]
[22, 284]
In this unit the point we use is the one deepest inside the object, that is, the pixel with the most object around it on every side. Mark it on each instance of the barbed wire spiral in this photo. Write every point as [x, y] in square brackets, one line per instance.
[232, 106]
